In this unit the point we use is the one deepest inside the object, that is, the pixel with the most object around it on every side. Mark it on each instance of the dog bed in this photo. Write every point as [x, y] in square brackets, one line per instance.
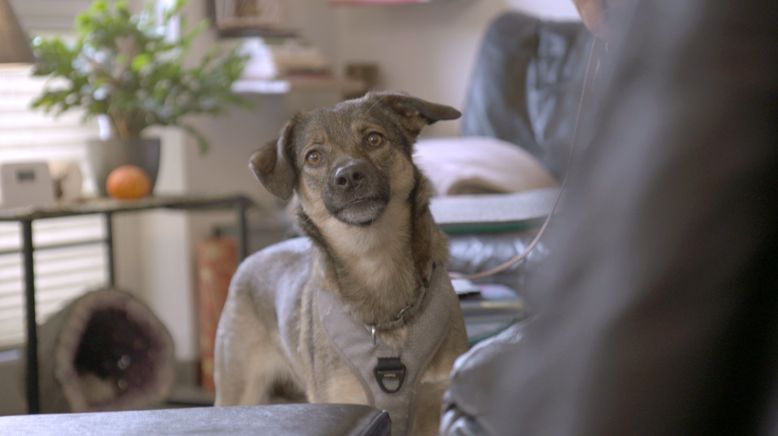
[104, 351]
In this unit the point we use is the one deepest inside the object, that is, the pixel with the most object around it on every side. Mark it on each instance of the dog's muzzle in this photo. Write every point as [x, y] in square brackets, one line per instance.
[356, 192]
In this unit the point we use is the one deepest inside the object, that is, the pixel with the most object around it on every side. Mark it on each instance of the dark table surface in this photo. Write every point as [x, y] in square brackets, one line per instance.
[274, 420]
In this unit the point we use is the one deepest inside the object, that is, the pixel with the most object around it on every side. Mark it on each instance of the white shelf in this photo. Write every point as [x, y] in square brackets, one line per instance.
[285, 86]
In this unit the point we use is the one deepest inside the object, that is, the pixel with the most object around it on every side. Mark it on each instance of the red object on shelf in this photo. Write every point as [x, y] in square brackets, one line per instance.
[217, 260]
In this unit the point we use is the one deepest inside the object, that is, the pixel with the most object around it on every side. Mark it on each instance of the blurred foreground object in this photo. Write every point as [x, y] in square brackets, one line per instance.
[656, 309]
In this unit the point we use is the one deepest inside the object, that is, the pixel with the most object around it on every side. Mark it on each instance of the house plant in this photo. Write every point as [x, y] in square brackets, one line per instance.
[125, 70]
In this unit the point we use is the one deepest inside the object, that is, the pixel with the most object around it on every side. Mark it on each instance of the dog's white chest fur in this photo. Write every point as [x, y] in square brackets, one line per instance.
[378, 258]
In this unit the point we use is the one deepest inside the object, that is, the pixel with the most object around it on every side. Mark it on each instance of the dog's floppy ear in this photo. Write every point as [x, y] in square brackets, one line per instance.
[271, 166]
[415, 113]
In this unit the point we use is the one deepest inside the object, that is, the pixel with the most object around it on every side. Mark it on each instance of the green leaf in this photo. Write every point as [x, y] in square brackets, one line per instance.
[141, 61]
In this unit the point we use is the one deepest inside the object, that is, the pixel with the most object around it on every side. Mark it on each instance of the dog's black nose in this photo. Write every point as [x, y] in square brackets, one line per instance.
[350, 176]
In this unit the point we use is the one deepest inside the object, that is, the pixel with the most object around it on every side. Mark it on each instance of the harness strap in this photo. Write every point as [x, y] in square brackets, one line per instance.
[389, 378]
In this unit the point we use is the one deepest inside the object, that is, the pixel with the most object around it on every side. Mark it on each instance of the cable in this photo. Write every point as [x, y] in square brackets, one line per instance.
[515, 260]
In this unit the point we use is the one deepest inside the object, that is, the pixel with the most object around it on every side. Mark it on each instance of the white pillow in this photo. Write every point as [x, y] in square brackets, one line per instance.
[480, 165]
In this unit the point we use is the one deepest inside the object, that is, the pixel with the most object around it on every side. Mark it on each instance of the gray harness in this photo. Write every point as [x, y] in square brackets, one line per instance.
[389, 378]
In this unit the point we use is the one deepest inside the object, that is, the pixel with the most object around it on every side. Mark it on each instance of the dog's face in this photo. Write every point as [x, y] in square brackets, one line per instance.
[350, 160]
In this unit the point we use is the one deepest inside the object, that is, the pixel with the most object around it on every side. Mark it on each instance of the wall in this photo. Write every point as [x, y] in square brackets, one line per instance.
[429, 49]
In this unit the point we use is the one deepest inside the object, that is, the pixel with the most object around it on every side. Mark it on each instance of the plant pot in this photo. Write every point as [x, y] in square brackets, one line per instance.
[105, 155]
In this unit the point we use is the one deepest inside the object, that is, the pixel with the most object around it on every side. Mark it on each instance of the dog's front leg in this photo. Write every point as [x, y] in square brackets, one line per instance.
[244, 355]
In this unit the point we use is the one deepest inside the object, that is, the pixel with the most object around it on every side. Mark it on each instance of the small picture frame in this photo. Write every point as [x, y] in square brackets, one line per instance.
[241, 18]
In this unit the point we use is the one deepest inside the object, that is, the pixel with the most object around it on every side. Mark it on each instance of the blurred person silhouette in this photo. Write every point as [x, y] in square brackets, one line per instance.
[657, 313]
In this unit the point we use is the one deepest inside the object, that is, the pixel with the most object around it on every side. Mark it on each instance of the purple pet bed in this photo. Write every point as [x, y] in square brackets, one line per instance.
[104, 351]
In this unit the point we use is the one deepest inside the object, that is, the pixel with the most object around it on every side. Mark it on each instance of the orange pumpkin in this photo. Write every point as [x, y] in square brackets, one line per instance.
[128, 182]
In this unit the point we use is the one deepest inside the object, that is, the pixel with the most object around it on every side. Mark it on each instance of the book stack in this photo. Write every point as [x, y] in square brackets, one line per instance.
[282, 59]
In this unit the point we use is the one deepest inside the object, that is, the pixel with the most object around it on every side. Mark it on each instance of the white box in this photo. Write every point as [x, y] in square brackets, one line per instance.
[25, 184]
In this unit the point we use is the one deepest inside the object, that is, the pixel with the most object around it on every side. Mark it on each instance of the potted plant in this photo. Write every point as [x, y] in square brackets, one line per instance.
[123, 69]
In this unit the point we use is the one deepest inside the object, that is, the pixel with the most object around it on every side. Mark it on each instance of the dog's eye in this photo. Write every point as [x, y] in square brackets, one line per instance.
[374, 139]
[313, 157]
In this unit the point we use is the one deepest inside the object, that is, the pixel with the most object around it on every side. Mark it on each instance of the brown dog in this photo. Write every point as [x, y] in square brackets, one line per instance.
[361, 311]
